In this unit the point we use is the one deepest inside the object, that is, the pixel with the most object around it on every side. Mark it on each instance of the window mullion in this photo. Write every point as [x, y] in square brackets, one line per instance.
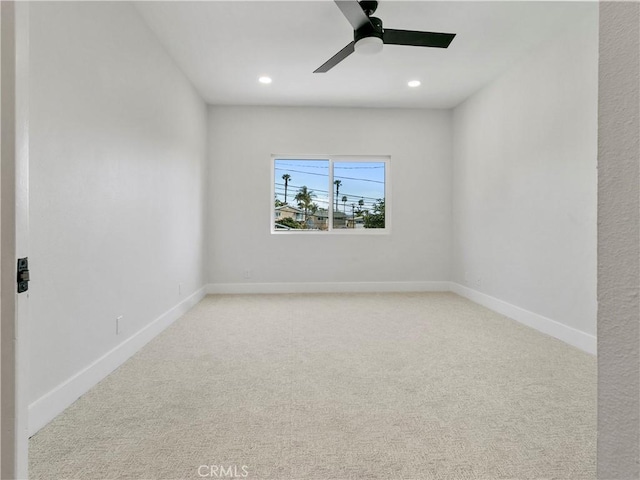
[331, 199]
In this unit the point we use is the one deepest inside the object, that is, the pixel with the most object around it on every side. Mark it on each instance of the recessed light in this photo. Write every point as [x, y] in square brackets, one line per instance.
[414, 83]
[265, 80]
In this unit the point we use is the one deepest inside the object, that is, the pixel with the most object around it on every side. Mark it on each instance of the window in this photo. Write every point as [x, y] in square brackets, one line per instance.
[330, 194]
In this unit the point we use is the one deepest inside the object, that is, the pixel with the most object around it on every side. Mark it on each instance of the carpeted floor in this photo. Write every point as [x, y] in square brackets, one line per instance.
[350, 386]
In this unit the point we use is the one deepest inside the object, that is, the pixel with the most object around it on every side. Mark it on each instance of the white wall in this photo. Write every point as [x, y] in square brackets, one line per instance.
[118, 146]
[242, 140]
[524, 208]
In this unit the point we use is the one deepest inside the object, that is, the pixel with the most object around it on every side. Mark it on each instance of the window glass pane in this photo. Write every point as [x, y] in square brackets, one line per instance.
[359, 195]
[301, 194]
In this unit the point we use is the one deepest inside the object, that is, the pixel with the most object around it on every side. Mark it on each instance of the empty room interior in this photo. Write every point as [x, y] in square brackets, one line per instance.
[268, 241]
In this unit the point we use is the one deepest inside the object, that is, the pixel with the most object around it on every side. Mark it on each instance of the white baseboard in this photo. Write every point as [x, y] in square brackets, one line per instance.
[326, 287]
[47, 407]
[570, 335]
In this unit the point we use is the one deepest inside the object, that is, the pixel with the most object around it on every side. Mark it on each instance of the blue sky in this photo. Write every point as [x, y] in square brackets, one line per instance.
[359, 180]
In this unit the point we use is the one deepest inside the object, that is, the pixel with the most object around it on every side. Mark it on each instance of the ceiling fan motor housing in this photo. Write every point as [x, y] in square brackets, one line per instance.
[369, 30]
[369, 38]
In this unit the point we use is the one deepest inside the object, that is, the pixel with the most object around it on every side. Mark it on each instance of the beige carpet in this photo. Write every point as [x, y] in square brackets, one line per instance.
[364, 386]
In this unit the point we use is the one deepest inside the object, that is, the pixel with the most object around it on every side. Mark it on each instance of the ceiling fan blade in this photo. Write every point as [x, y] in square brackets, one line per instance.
[354, 13]
[418, 39]
[336, 59]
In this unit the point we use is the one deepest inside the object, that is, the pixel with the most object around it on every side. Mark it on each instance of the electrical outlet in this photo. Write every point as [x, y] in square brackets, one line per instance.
[179, 289]
[247, 273]
[118, 326]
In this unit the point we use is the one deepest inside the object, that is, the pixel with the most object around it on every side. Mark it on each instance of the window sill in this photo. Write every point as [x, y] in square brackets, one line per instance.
[340, 232]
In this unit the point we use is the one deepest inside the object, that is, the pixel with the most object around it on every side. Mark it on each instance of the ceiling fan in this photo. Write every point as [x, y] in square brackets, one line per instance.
[369, 36]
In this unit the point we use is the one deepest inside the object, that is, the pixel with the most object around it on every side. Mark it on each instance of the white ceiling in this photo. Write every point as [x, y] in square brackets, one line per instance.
[224, 46]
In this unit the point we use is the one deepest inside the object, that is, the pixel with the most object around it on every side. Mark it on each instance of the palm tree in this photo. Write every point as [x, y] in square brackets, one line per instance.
[337, 183]
[286, 177]
[344, 203]
[305, 197]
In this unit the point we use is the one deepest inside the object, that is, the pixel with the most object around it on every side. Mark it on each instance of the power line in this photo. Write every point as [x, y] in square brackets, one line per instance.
[325, 198]
[305, 166]
[335, 176]
[359, 179]
[306, 173]
[350, 196]
[342, 167]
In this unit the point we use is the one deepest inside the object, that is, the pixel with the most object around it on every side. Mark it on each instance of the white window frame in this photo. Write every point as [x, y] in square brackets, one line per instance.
[386, 159]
